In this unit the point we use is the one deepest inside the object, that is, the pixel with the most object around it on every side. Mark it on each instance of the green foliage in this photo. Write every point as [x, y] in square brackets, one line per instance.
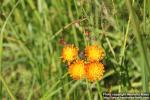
[32, 35]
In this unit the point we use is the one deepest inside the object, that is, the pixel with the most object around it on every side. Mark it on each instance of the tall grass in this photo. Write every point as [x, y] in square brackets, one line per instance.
[141, 45]
[33, 33]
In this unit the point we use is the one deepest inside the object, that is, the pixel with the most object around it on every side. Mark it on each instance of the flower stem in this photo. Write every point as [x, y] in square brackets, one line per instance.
[88, 90]
[99, 90]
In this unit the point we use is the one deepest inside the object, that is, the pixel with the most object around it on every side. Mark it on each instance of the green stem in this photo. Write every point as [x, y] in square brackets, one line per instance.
[88, 90]
[99, 90]
[144, 16]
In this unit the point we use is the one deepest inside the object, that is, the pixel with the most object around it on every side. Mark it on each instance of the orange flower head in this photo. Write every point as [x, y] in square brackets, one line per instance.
[94, 71]
[94, 53]
[69, 53]
[77, 70]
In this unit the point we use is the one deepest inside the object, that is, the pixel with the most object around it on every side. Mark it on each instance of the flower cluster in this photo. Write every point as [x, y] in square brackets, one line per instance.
[90, 68]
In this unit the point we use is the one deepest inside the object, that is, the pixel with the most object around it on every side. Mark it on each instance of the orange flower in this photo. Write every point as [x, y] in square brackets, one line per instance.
[69, 53]
[94, 71]
[76, 70]
[94, 53]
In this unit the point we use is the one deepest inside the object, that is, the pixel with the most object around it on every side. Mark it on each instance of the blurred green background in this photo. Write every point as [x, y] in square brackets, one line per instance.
[33, 33]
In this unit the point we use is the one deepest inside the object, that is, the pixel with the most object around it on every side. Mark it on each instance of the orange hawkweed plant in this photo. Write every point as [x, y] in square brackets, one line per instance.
[94, 71]
[69, 53]
[90, 67]
[94, 53]
[77, 69]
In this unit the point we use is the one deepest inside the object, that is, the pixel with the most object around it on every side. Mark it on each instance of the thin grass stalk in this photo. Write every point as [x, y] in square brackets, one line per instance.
[65, 27]
[144, 16]
[7, 88]
[125, 39]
